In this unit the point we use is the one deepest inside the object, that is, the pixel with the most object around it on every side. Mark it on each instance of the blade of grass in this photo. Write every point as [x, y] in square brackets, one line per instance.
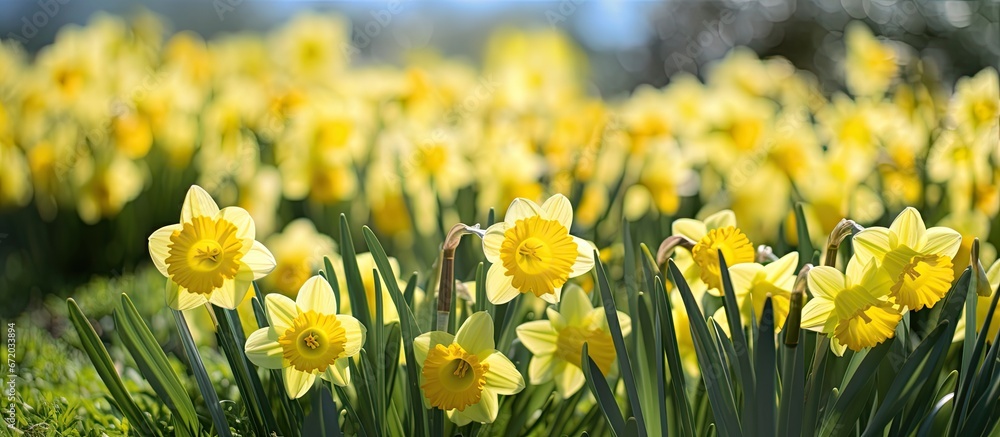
[624, 363]
[744, 367]
[227, 338]
[98, 354]
[201, 376]
[764, 366]
[602, 393]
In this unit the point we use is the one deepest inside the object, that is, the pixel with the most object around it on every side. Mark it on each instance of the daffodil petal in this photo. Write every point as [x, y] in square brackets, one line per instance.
[198, 203]
[540, 369]
[780, 269]
[240, 218]
[259, 260]
[909, 228]
[871, 243]
[553, 297]
[159, 247]
[521, 209]
[499, 288]
[297, 383]
[575, 306]
[264, 351]
[317, 295]
[721, 219]
[492, 241]
[942, 241]
[690, 228]
[339, 373]
[424, 342]
[742, 276]
[624, 321]
[281, 311]
[232, 291]
[476, 334]
[180, 299]
[815, 313]
[569, 379]
[584, 257]
[825, 281]
[559, 209]
[538, 336]
[355, 333]
[458, 417]
[503, 378]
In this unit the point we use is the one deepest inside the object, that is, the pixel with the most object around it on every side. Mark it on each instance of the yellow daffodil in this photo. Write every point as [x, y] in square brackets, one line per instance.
[717, 233]
[464, 373]
[299, 252]
[753, 283]
[557, 343]
[307, 338]
[533, 252]
[975, 106]
[853, 309]
[210, 256]
[870, 63]
[918, 259]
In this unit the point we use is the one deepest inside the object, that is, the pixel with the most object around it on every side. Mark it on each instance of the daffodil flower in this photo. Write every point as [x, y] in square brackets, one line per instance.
[307, 338]
[464, 373]
[918, 259]
[983, 305]
[852, 308]
[557, 343]
[717, 233]
[210, 256]
[533, 252]
[753, 283]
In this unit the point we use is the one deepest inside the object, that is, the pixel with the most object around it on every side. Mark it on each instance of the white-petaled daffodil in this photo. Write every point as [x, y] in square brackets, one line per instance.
[210, 256]
[464, 373]
[307, 338]
[533, 252]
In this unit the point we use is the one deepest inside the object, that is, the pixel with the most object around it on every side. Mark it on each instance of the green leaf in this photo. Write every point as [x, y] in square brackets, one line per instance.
[153, 365]
[915, 372]
[709, 360]
[331, 278]
[355, 285]
[201, 376]
[602, 393]
[229, 340]
[379, 360]
[744, 368]
[805, 242]
[936, 421]
[359, 427]
[850, 403]
[98, 354]
[322, 420]
[792, 400]
[764, 367]
[624, 364]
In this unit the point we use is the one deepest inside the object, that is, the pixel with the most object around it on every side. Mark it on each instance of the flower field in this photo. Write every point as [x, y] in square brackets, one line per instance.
[265, 234]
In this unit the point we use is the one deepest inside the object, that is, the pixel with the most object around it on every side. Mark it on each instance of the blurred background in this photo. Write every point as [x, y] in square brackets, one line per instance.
[53, 239]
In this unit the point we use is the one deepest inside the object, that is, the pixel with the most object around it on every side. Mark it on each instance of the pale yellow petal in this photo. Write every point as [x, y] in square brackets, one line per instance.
[264, 351]
[559, 209]
[742, 277]
[485, 411]
[240, 218]
[624, 321]
[503, 378]
[281, 311]
[690, 228]
[259, 260]
[499, 289]
[538, 336]
[232, 291]
[424, 342]
[492, 241]
[198, 203]
[521, 209]
[721, 219]
[825, 281]
[339, 373]
[159, 247]
[476, 334]
[570, 379]
[553, 297]
[180, 299]
[871, 243]
[909, 228]
[584, 257]
[575, 306]
[316, 295]
[355, 332]
[540, 369]
[942, 241]
[297, 383]
[815, 313]
[780, 269]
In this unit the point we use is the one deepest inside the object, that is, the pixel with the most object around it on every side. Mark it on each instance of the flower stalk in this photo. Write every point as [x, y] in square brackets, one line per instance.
[843, 229]
[796, 301]
[446, 283]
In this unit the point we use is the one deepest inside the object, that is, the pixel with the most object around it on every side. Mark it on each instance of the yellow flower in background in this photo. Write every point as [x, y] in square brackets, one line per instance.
[105, 186]
[307, 338]
[975, 107]
[299, 252]
[464, 373]
[367, 267]
[753, 283]
[717, 233]
[983, 305]
[312, 47]
[870, 63]
[210, 256]
[533, 252]
[919, 260]
[556, 344]
[853, 308]
[15, 179]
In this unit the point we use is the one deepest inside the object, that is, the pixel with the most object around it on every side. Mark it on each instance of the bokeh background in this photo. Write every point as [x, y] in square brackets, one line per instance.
[50, 245]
